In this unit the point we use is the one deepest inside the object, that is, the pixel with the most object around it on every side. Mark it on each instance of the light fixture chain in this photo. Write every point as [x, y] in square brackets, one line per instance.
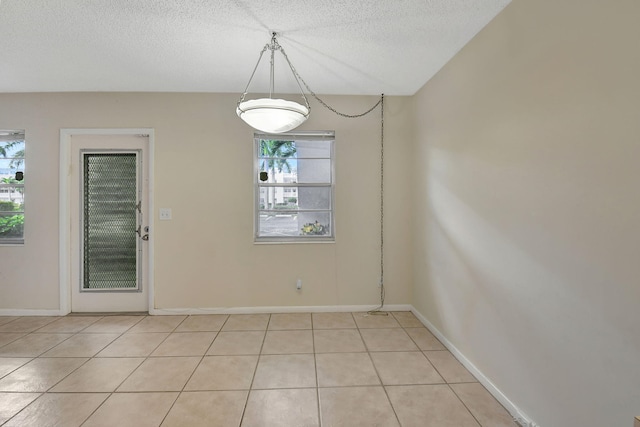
[378, 310]
[317, 98]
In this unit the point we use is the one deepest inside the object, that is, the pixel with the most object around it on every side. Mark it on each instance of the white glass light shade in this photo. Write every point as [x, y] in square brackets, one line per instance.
[272, 115]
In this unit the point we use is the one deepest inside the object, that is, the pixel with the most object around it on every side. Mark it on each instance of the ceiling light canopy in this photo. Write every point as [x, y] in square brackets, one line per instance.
[268, 114]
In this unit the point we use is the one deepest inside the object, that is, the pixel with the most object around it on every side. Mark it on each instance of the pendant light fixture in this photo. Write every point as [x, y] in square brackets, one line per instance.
[268, 114]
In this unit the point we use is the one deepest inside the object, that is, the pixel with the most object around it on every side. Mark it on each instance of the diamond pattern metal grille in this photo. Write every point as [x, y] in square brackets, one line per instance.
[110, 221]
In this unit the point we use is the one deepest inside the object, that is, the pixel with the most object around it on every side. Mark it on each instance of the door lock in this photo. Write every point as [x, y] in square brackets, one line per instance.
[146, 230]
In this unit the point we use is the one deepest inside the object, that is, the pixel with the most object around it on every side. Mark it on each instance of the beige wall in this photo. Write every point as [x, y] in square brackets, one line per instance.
[205, 256]
[527, 208]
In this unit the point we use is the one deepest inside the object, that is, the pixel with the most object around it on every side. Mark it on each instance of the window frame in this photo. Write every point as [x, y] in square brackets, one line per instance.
[5, 138]
[319, 136]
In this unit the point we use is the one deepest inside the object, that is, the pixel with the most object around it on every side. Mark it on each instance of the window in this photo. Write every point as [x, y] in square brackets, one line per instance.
[11, 186]
[294, 185]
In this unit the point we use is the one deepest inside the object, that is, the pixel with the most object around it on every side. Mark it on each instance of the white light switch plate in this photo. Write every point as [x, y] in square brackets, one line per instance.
[165, 214]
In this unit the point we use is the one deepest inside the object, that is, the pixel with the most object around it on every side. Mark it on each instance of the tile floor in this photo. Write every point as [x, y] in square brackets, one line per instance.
[320, 369]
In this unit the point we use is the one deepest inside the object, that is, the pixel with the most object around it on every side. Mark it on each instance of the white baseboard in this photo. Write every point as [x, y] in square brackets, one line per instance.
[29, 312]
[284, 309]
[227, 310]
[519, 416]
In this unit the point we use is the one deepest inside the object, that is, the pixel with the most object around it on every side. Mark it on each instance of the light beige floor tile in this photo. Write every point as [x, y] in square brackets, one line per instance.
[223, 373]
[158, 324]
[81, 345]
[113, 324]
[246, 322]
[99, 375]
[70, 324]
[7, 319]
[40, 374]
[132, 410]
[185, 344]
[237, 343]
[7, 337]
[26, 324]
[161, 374]
[449, 367]
[393, 339]
[345, 369]
[288, 321]
[58, 409]
[407, 319]
[10, 364]
[424, 339]
[410, 367]
[429, 406]
[207, 409]
[333, 320]
[364, 320]
[12, 403]
[288, 342]
[285, 371]
[203, 323]
[337, 341]
[356, 407]
[32, 345]
[282, 408]
[484, 407]
[134, 345]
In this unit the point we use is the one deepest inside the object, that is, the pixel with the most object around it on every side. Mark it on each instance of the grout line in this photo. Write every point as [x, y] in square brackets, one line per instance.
[255, 371]
[465, 405]
[315, 368]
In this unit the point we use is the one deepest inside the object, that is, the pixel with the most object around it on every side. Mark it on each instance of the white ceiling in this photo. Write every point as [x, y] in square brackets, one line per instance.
[338, 46]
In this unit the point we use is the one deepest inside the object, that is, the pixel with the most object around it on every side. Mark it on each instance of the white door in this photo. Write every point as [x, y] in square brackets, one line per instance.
[109, 223]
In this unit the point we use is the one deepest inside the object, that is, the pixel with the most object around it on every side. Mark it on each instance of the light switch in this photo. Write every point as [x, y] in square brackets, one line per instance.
[165, 214]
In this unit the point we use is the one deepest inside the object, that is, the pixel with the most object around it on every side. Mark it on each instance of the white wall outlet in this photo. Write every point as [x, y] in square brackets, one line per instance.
[299, 284]
[165, 214]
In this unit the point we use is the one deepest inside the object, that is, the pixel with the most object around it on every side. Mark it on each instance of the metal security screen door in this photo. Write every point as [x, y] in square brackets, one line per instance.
[111, 216]
[108, 208]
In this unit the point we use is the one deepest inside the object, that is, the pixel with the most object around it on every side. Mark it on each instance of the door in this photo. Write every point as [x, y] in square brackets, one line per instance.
[109, 230]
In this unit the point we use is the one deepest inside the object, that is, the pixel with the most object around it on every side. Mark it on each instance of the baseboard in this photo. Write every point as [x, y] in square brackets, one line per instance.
[517, 414]
[227, 310]
[29, 312]
[277, 309]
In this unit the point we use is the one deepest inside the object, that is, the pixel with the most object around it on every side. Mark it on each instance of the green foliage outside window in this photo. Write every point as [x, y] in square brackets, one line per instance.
[12, 150]
[12, 226]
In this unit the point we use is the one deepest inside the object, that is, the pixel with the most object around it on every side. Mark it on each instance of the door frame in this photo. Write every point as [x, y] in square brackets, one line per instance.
[64, 204]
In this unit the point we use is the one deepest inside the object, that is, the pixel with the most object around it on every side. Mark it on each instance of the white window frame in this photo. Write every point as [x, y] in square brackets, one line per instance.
[6, 134]
[329, 138]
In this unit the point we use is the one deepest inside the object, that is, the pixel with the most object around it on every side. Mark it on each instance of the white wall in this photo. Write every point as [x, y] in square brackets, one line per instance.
[526, 229]
[205, 256]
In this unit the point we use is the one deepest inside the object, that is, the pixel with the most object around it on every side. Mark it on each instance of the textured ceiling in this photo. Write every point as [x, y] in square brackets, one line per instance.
[338, 46]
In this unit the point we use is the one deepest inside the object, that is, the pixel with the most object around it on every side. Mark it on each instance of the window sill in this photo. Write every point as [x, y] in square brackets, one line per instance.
[14, 243]
[266, 241]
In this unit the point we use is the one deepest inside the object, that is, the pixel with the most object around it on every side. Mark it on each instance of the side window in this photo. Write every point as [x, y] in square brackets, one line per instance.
[294, 187]
[12, 186]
